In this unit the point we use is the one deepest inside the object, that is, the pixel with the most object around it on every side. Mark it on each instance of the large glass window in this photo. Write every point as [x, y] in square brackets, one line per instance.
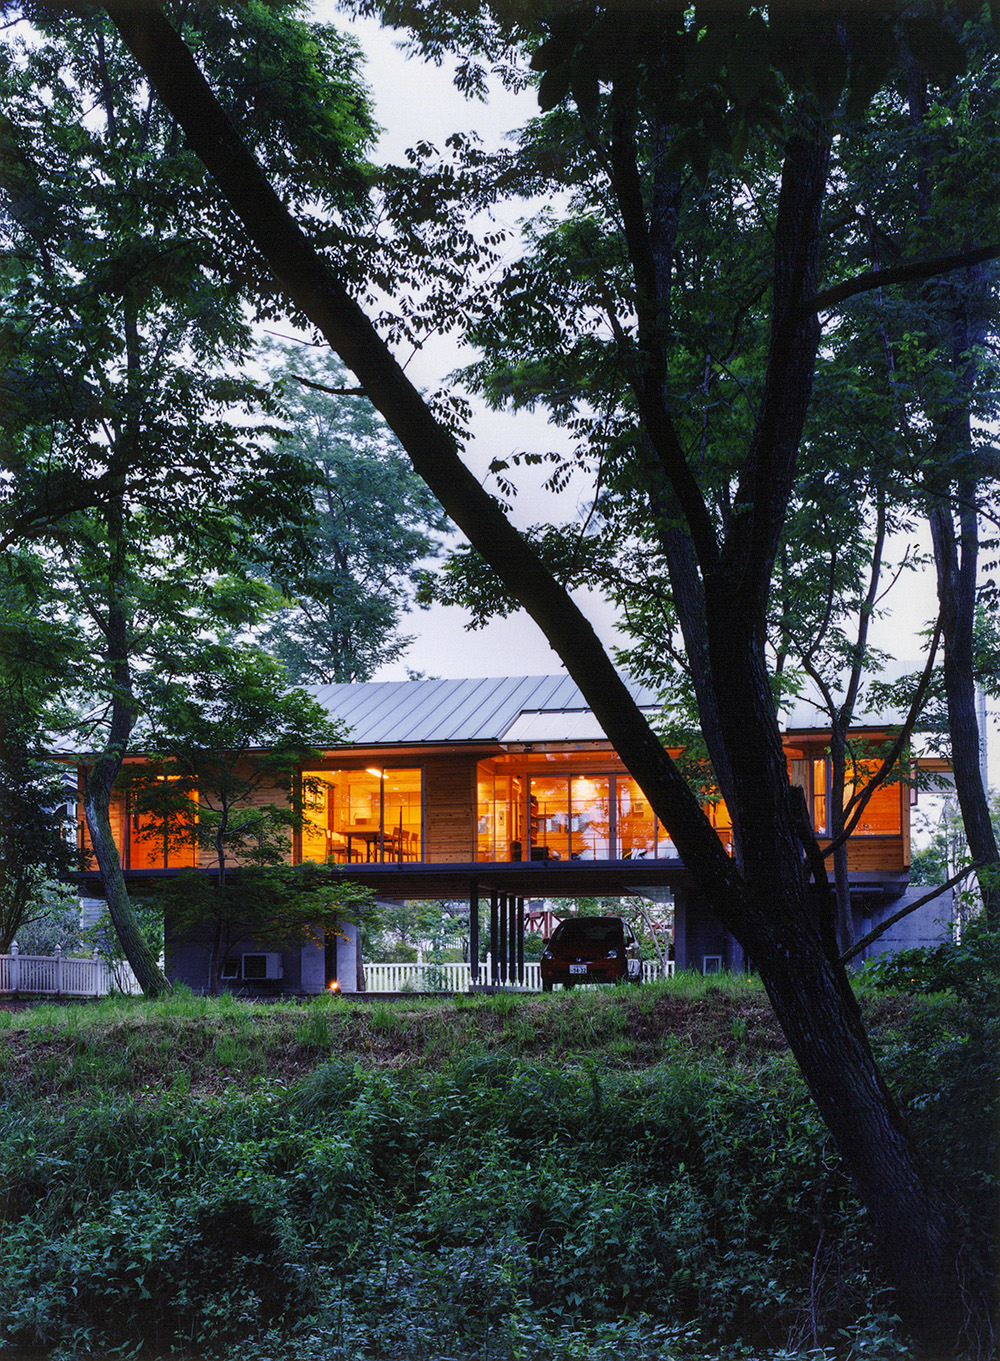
[636, 825]
[362, 816]
[883, 814]
[161, 826]
[819, 767]
[548, 805]
[499, 827]
[557, 815]
[590, 817]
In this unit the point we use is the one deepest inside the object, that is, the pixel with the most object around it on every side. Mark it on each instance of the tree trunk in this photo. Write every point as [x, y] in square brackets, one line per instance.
[767, 908]
[102, 774]
[956, 582]
[96, 806]
[911, 1216]
[844, 924]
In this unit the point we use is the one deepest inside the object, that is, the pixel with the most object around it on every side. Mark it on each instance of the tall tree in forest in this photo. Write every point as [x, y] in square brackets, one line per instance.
[662, 95]
[35, 840]
[374, 522]
[124, 328]
[938, 358]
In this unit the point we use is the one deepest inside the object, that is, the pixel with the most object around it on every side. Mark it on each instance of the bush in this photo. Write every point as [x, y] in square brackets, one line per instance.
[969, 967]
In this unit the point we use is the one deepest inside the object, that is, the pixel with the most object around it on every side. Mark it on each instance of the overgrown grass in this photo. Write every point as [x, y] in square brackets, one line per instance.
[130, 1044]
[608, 1173]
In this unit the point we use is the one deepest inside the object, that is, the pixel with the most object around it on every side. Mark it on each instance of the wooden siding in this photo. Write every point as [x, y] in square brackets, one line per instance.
[268, 792]
[449, 808]
[874, 854]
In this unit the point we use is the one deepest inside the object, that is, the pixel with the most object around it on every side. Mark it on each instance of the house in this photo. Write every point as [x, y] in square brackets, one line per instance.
[503, 790]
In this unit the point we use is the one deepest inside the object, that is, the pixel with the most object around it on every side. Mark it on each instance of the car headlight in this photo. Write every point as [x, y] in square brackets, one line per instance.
[546, 953]
[612, 954]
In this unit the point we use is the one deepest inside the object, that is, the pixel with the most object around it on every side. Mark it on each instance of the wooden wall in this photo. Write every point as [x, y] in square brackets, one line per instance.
[449, 808]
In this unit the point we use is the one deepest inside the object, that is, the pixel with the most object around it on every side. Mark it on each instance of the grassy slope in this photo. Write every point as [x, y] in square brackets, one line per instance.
[126, 1045]
[612, 1173]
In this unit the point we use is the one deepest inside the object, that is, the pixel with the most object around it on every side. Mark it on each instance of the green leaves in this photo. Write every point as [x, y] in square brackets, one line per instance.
[373, 521]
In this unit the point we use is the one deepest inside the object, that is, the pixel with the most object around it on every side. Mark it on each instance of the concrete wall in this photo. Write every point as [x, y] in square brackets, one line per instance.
[928, 925]
[701, 942]
[698, 932]
[305, 968]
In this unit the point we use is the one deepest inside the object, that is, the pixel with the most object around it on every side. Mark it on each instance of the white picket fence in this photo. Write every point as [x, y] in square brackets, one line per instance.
[458, 977]
[55, 976]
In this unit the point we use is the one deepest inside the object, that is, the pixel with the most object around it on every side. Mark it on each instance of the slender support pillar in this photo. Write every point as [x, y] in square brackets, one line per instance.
[520, 941]
[512, 903]
[474, 932]
[502, 945]
[494, 942]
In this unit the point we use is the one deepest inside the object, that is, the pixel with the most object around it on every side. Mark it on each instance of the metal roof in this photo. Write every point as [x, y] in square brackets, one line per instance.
[806, 712]
[482, 710]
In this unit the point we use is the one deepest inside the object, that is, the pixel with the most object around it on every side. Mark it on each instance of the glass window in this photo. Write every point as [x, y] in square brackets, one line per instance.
[362, 816]
[819, 796]
[636, 825]
[581, 814]
[883, 814]
[590, 817]
[548, 802]
[499, 815]
[718, 816]
[162, 825]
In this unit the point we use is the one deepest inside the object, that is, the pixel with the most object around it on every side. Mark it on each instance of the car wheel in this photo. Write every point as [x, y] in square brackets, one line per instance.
[546, 987]
[568, 987]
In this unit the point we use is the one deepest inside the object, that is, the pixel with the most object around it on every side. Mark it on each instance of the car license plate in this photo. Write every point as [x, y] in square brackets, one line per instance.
[578, 968]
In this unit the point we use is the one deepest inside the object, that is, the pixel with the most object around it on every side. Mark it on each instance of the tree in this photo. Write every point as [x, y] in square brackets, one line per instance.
[692, 88]
[222, 730]
[36, 836]
[374, 521]
[130, 456]
[944, 380]
[52, 921]
[222, 733]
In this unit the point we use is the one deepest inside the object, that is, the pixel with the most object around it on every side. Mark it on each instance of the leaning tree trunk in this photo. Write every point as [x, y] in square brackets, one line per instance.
[955, 558]
[774, 922]
[102, 774]
[97, 810]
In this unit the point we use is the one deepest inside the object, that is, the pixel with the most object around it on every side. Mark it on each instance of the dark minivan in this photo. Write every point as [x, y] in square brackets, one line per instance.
[591, 950]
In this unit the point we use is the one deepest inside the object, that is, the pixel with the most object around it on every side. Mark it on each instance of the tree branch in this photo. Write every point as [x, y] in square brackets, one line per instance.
[860, 945]
[831, 298]
[318, 293]
[902, 738]
[334, 392]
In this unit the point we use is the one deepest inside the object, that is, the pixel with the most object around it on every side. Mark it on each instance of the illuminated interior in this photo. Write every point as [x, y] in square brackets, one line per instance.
[163, 837]
[558, 806]
[883, 814]
[371, 816]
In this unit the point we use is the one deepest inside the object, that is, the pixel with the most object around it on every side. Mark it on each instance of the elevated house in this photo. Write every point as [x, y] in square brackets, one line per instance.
[500, 791]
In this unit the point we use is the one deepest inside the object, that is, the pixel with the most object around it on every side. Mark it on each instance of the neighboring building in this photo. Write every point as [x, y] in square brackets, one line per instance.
[499, 791]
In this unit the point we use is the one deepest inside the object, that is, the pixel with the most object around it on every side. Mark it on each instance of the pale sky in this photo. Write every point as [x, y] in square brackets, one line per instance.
[415, 100]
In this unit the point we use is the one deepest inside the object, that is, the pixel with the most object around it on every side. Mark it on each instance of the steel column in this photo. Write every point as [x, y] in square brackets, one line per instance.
[474, 933]
[502, 945]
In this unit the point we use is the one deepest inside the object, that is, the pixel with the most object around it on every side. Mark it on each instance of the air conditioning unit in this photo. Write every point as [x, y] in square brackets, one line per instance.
[262, 968]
